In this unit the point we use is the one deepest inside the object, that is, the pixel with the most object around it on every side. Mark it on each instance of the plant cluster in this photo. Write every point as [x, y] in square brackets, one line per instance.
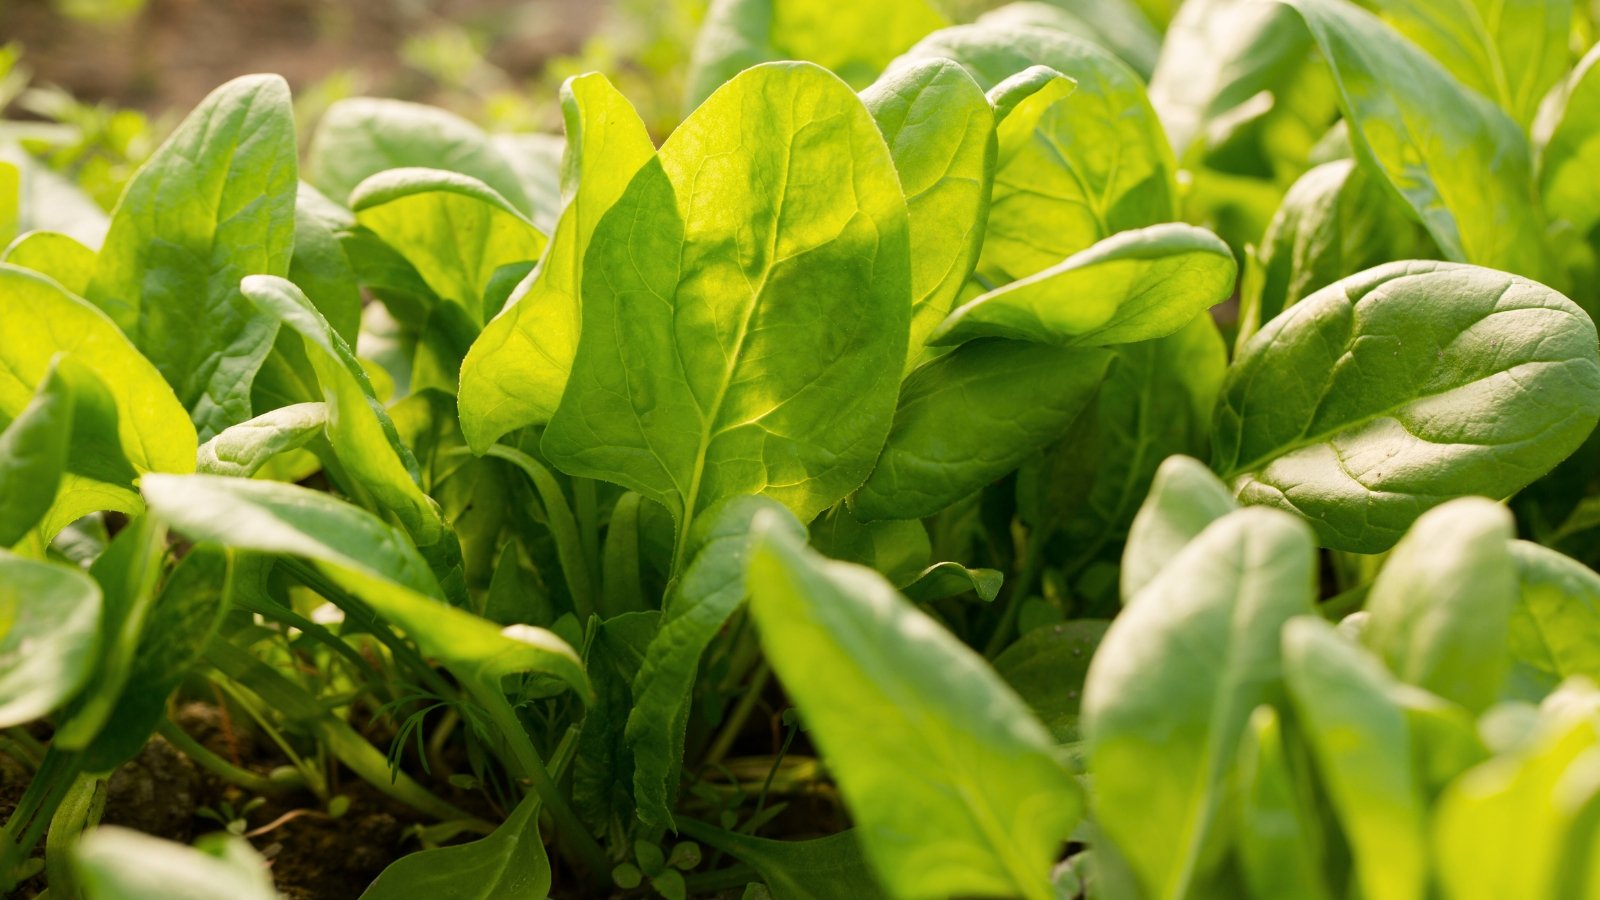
[856, 494]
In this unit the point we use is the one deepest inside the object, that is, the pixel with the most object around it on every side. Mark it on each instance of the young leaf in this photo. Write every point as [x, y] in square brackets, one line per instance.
[49, 636]
[453, 228]
[1184, 499]
[1134, 286]
[365, 556]
[1362, 747]
[1088, 166]
[699, 604]
[361, 432]
[1439, 609]
[510, 864]
[1569, 159]
[940, 130]
[1047, 667]
[1118, 25]
[56, 255]
[243, 449]
[361, 136]
[1555, 627]
[215, 203]
[1163, 723]
[856, 41]
[951, 781]
[970, 416]
[1336, 220]
[33, 456]
[1391, 391]
[1460, 162]
[744, 341]
[819, 869]
[1280, 846]
[514, 374]
[113, 863]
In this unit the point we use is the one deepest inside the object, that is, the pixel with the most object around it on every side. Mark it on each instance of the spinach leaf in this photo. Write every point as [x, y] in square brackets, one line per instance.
[1047, 667]
[739, 341]
[818, 869]
[1391, 391]
[516, 371]
[1117, 25]
[940, 129]
[241, 451]
[1280, 842]
[54, 254]
[1555, 626]
[1134, 286]
[320, 266]
[1163, 722]
[950, 780]
[33, 457]
[49, 636]
[113, 863]
[215, 203]
[456, 230]
[1439, 609]
[973, 415]
[510, 863]
[1569, 157]
[1184, 499]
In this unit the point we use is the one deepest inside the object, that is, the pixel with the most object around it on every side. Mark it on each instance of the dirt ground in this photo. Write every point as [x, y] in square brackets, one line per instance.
[171, 53]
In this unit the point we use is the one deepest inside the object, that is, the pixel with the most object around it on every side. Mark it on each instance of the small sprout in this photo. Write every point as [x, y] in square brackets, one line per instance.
[670, 885]
[465, 782]
[685, 855]
[338, 806]
[626, 876]
[650, 858]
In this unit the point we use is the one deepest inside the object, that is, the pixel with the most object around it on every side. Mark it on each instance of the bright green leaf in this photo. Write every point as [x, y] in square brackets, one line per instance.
[49, 636]
[509, 864]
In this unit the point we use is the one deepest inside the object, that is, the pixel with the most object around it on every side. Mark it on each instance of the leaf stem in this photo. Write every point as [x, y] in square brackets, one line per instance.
[1032, 565]
[216, 765]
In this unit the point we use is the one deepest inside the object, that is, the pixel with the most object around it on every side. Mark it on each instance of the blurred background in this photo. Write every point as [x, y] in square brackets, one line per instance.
[91, 86]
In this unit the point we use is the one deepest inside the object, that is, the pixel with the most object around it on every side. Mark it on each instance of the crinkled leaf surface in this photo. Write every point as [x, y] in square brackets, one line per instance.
[1163, 718]
[949, 778]
[242, 450]
[515, 372]
[1133, 286]
[1391, 391]
[215, 203]
[743, 341]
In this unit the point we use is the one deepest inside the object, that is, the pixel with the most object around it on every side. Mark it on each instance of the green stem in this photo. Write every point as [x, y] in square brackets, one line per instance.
[216, 765]
[741, 713]
[22, 746]
[1032, 565]
[721, 880]
[526, 765]
[33, 812]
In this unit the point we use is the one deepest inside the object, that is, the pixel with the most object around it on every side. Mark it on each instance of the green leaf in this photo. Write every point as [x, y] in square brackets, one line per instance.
[1514, 825]
[56, 255]
[1387, 393]
[361, 136]
[113, 863]
[1217, 57]
[744, 341]
[1555, 626]
[1090, 165]
[698, 605]
[516, 371]
[1460, 162]
[971, 416]
[49, 636]
[49, 201]
[320, 266]
[949, 579]
[1134, 286]
[453, 228]
[243, 449]
[1117, 25]
[1511, 52]
[1336, 220]
[603, 766]
[855, 40]
[182, 618]
[1439, 609]
[1184, 499]
[1280, 846]
[33, 456]
[510, 864]
[820, 869]
[898, 549]
[365, 556]
[1047, 667]
[951, 781]
[1569, 159]
[940, 130]
[215, 203]
[362, 435]
[1162, 722]
[1362, 747]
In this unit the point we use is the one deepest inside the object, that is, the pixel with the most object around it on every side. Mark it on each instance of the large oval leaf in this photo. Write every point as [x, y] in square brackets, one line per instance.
[741, 341]
[951, 781]
[49, 635]
[1391, 391]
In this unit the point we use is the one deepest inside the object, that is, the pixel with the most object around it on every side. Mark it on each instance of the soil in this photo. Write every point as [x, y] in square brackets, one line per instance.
[171, 53]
